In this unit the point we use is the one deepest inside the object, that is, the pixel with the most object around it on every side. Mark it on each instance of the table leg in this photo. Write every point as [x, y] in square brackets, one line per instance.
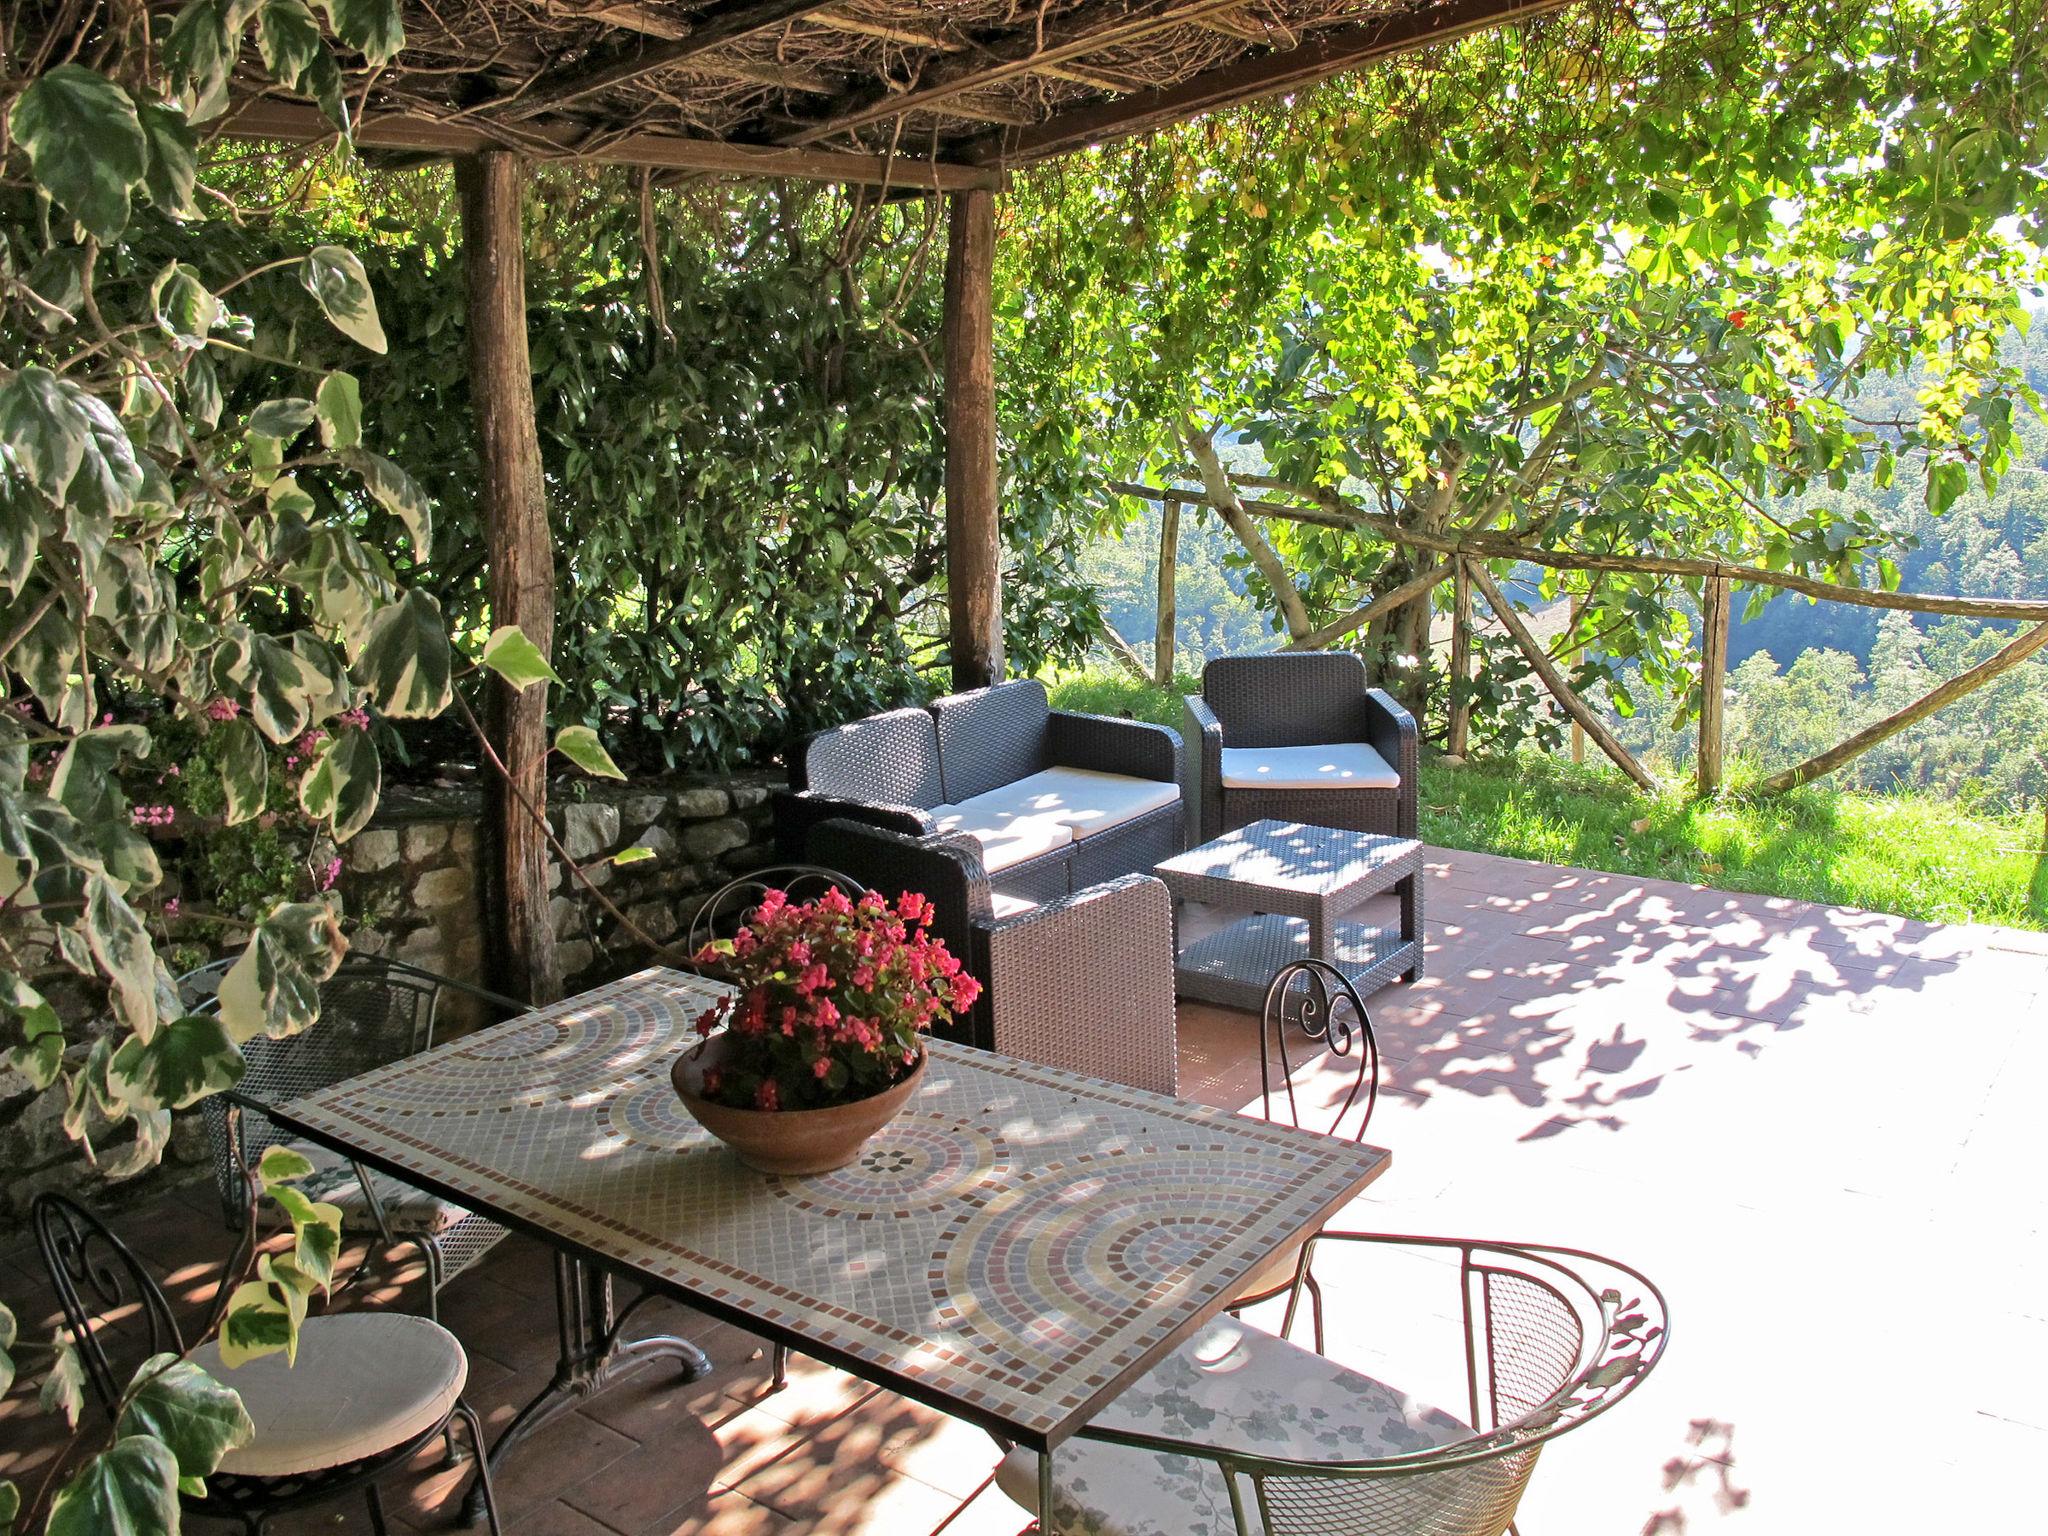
[1045, 1526]
[1411, 922]
[593, 1354]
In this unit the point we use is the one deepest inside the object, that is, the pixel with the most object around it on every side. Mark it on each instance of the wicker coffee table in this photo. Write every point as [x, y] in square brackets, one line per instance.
[1297, 885]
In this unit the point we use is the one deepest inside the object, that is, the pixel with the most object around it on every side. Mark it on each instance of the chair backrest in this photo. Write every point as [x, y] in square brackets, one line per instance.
[1554, 1338]
[1290, 698]
[886, 759]
[732, 905]
[372, 1012]
[113, 1306]
[1311, 1006]
[990, 737]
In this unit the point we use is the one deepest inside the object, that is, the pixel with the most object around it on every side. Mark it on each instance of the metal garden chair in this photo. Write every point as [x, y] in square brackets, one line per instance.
[373, 1011]
[1312, 1000]
[1239, 1429]
[399, 1377]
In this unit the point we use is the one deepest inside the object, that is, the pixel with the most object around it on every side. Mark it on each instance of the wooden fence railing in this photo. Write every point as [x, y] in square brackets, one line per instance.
[1461, 559]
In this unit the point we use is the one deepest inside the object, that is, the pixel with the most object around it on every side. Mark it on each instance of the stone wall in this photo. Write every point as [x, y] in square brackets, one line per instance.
[412, 886]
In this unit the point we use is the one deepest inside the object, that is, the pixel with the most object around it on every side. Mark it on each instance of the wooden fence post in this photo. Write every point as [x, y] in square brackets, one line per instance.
[1713, 681]
[521, 556]
[1169, 563]
[1458, 741]
[973, 533]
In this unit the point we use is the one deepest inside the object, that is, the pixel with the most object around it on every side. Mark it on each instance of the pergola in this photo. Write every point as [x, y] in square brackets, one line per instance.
[904, 97]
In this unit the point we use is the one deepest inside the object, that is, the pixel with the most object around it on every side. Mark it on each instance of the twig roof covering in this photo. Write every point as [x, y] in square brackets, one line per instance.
[930, 93]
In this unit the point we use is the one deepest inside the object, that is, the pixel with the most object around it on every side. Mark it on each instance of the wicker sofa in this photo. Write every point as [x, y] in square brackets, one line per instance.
[1054, 802]
[1299, 736]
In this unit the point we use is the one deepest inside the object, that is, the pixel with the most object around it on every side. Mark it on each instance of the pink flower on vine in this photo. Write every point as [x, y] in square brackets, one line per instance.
[152, 815]
[333, 873]
[358, 717]
[171, 907]
[222, 709]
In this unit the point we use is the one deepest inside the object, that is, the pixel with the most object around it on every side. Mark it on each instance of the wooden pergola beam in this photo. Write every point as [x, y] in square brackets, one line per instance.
[293, 122]
[1018, 51]
[714, 28]
[938, 42]
[1246, 80]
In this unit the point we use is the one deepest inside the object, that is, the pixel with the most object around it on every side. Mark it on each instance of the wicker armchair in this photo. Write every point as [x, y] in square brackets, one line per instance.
[1299, 737]
[372, 1012]
[1239, 1429]
[1083, 982]
[1055, 801]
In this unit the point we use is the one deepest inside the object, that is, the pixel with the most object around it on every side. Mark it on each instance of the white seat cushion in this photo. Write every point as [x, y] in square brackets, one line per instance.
[1090, 801]
[1338, 765]
[365, 1383]
[409, 1211]
[1003, 821]
[1234, 1388]
[1003, 905]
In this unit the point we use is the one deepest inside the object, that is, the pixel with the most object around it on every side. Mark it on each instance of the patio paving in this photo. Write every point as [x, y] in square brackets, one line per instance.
[1817, 1128]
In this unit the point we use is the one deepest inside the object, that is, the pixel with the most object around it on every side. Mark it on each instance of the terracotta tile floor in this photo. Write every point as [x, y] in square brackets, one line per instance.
[1820, 1129]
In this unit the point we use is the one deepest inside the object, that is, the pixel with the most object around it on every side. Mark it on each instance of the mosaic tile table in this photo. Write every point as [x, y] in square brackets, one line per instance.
[1013, 1249]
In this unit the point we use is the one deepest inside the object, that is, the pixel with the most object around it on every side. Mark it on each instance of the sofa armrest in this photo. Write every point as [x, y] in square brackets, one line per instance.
[1390, 731]
[1203, 785]
[1085, 983]
[946, 868]
[1109, 744]
[797, 812]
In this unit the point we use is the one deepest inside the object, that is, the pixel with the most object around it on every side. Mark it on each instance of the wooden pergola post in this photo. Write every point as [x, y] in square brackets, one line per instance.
[1166, 619]
[973, 537]
[1713, 681]
[1459, 741]
[520, 550]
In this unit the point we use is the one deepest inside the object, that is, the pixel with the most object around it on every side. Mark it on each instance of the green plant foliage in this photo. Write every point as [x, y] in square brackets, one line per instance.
[1616, 279]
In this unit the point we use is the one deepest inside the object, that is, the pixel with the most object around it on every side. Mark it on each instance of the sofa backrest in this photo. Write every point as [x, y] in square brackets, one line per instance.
[886, 759]
[991, 736]
[1301, 698]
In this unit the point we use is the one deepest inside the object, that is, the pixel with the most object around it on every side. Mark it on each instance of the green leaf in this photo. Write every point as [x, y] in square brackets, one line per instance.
[335, 277]
[280, 689]
[633, 855]
[85, 144]
[341, 410]
[44, 428]
[282, 419]
[342, 786]
[10, 1505]
[197, 58]
[406, 664]
[41, 1051]
[244, 771]
[316, 1226]
[517, 659]
[109, 475]
[173, 172]
[63, 1389]
[196, 1418]
[288, 38]
[84, 779]
[274, 988]
[121, 946]
[8, 1334]
[280, 1164]
[257, 1324]
[183, 1062]
[580, 745]
[372, 27]
[398, 493]
[129, 1489]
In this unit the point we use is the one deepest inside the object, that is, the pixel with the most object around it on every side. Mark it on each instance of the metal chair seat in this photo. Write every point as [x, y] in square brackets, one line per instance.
[1234, 1390]
[366, 1384]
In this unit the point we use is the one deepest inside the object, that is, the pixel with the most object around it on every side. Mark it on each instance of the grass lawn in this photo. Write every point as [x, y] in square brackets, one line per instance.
[1907, 854]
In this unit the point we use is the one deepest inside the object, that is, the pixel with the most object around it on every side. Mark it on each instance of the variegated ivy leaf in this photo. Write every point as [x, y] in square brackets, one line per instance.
[280, 1164]
[8, 1333]
[173, 173]
[340, 402]
[274, 988]
[85, 144]
[143, 1151]
[580, 745]
[83, 782]
[398, 493]
[195, 1416]
[517, 659]
[183, 1062]
[121, 946]
[41, 1051]
[186, 309]
[257, 1324]
[316, 1232]
[282, 419]
[372, 27]
[342, 787]
[244, 770]
[335, 277]
[280, 689]
[129, 1489]
[63, 1390]
[406, 664]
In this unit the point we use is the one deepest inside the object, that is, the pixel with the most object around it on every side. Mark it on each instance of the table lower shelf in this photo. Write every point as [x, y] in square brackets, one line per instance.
[1233, 966]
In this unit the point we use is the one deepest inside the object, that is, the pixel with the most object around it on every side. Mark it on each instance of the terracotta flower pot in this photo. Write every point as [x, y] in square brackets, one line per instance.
[789, 1140]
